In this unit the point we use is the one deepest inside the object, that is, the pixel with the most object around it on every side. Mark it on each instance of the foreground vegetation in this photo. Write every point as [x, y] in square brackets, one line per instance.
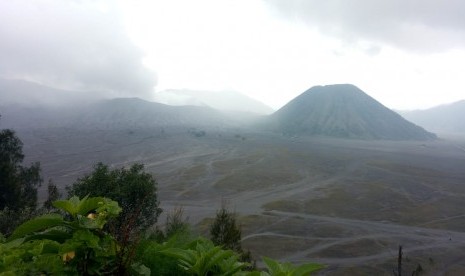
[74, 241]
[91, 234]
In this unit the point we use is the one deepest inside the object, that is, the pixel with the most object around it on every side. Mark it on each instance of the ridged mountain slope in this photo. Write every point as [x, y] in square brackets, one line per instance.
[343, 110]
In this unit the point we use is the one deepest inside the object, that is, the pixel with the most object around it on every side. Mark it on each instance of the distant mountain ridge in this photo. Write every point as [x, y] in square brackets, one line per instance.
[345, 111]
[31, 94]
[447, 118]
[119, 113]
[221, 100]
[26, 104]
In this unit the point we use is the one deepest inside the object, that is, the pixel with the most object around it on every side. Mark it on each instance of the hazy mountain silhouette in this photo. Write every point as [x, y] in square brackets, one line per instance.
[31, 94]
[448, 118]
[140, 113]
[113, 114]
[222, 100]
[345, 111]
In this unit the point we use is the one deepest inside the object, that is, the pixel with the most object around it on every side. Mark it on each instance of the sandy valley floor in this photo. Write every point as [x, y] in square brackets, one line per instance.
[345, 203]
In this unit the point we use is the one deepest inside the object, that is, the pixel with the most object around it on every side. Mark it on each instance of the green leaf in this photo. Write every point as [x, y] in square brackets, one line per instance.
[54, 234]
[253, 273]
[272, 265]
[306, 269]
[89, 204]
[71, 206]
[50, 247]
[276, 268]
[37, 224]
[140, 269]
[12, 244]
[7, 273]
[231, 266]
[216, 255]
[87, 238]
[182, 254]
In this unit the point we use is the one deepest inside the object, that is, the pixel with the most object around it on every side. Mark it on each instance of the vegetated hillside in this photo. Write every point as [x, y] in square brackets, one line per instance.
[345, 111]
[448, 118]
[118, 113]
[221, 100]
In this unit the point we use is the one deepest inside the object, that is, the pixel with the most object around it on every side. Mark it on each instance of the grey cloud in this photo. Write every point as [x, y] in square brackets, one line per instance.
[417, 25]
[71, 44]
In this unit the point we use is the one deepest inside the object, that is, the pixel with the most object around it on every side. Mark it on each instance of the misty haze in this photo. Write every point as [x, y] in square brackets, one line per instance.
[333, 134]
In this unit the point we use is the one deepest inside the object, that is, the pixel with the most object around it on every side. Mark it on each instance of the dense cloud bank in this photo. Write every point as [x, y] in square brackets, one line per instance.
[75, 45]
[414, 25]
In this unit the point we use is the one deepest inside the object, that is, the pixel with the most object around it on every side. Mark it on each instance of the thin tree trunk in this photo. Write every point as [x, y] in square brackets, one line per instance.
[399, 262]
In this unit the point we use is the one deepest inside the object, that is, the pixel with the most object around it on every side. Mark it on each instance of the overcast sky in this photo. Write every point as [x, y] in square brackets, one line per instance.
[407, 54]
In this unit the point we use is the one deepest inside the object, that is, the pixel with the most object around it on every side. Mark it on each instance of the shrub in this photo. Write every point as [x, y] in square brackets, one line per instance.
[149, 254]
[73, 243]
[52, 195]
[10, 218]
[135, 190]
[225, 232]
[18, 184]
[275, 268]
[176, 223]
[202, 257]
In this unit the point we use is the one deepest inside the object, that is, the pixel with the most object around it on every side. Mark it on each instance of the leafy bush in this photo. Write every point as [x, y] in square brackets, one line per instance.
[10, 218]
[73, 243]
[275, 268]
[176, 223]
[135, 190]
[202, 257]
[52, 195]
[18, 184]
[149, 254]
[226, 233]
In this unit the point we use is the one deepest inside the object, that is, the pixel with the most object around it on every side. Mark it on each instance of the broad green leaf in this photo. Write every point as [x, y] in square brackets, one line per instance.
[272, 265]
[111, 208]
[12, 244]
[87, 238]
[182, 254]
[231, 266]
[89, 204]
[216, 255]
[141, 269]
[71, 206]
[8, 273]
[306, 269]
[37, 224]
[50, 247]
[53, 234]
[251, 273]
[87, 223]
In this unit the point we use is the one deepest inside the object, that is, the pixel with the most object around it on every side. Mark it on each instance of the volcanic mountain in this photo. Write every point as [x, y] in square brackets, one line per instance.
[344, 111]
